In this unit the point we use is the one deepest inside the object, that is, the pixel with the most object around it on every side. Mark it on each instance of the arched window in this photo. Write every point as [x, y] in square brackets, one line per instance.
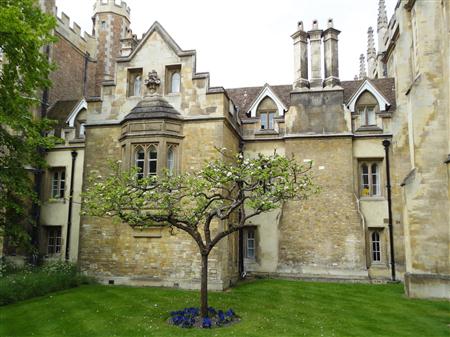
[365, 190]
[152, 160]
[175, 82]
[370, 179]
[366, 106]
[375, 179]
[140, 161]
[376, 246]
[170, 160]
[267, 111]
[137, 86]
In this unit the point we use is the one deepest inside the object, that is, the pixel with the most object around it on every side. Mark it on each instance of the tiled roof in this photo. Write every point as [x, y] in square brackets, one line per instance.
[244, 97]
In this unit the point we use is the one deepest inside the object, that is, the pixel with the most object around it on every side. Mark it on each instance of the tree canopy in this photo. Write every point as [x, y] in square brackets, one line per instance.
[25, 31]
[231, 188]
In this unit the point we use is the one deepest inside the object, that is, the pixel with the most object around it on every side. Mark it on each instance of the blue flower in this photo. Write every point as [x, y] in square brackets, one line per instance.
[206, 323]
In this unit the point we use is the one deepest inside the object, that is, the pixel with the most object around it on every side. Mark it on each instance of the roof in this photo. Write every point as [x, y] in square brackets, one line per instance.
[244, 97]
[153, 107]
[61, 110]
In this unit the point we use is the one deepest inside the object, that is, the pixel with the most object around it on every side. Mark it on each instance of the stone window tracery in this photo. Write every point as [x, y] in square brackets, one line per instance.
[375, 246]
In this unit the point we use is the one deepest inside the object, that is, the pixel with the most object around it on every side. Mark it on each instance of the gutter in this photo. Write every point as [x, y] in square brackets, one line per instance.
[69, 215]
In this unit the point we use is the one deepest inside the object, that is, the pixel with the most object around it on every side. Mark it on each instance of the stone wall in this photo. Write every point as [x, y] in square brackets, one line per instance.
[323, 236]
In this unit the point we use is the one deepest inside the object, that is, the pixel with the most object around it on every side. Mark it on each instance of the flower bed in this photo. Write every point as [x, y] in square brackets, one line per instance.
[190, 318]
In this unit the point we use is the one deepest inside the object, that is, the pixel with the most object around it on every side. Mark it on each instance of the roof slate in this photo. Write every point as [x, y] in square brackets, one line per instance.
[244, 97]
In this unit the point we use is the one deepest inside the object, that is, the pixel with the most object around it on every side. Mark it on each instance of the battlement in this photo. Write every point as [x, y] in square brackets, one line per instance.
[72, 32]
[102, 6]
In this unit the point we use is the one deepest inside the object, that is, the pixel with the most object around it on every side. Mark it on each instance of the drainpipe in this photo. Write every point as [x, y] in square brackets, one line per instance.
[69, 215]
[386, 144]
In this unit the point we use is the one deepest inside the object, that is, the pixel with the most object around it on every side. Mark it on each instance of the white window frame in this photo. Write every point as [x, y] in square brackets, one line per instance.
[370, 181]
[267, 120]
[152, 149]
[250, 243]
[375, 246]
[365, 113]
[58, 183]
[139, 162]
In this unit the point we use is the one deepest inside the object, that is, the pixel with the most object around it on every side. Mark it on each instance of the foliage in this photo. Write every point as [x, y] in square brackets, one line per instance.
[218, 191]
[267, 308]
[190, 317]
[230, 188]
[24, 33]
[31, 282]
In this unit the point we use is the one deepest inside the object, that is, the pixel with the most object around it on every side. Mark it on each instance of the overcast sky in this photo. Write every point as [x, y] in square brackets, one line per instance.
[247, 42]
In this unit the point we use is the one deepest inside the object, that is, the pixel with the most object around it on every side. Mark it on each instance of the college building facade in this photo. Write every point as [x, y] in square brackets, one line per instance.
[105, 112]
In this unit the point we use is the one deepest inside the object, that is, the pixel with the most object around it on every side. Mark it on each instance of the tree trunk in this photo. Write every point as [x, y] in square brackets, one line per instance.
[204, 287]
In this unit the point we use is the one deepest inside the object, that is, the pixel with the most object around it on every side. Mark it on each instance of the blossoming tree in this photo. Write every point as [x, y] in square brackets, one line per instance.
[232, 189]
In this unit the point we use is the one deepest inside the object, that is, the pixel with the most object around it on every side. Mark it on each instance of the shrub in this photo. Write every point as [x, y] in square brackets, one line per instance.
[190, 317]
[40, 281]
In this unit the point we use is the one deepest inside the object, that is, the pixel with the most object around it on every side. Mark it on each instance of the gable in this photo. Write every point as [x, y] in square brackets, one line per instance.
[366, 86]
[267, 92]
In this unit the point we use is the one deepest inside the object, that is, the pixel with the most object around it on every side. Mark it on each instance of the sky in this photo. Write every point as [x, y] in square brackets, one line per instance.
[247, 42]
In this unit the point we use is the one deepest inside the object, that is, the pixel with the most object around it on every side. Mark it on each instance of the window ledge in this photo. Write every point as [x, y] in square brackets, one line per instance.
[173, 94]
[372, 198]
[266, 132]
[378, 265]
[56, 201]
[369, 128]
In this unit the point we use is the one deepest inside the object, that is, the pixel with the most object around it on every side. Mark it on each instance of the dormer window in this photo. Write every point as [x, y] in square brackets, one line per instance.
[367, 115]
[267, 120]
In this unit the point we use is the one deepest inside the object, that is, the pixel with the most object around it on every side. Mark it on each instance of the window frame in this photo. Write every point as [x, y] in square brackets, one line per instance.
[171, 162]
[132, 75]
[363, 111]
[366, 179]
[58, 183]
[54, 234]
[375, 247]
[250, 236]
[269, 119]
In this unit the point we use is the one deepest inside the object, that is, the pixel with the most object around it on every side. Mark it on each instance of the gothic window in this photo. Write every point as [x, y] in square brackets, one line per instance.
[53, 240]
[140, 161]
[370, 179]
[375, 246]
[175, 82]
[58, 183]
[152, 160]
[171, 160]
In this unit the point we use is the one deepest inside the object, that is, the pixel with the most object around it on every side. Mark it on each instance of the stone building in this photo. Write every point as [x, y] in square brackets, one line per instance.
[105, 112]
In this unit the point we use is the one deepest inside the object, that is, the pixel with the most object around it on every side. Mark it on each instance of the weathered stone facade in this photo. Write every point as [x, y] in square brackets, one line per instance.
[338, 126]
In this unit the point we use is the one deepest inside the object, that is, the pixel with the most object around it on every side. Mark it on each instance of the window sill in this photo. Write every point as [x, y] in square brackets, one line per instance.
[173, 94]
[56, 201]
[378, 265]
[372, 198]
[266, 132]
[369, 128]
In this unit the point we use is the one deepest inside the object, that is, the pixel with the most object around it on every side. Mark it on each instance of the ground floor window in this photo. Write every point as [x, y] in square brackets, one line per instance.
[375, 243]
[53, 240]
[250, 243]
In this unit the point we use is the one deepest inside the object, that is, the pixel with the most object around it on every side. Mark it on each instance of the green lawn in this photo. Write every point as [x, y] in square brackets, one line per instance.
[267, 307]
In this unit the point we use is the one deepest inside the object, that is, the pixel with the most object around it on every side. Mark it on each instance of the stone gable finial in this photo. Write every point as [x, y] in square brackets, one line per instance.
[152, 82]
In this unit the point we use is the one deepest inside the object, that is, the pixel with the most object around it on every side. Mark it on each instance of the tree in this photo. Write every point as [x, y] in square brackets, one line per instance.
[24, 72]
[231, 188]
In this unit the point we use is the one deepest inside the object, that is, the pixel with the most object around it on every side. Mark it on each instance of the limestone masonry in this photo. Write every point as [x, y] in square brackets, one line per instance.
[343, 233]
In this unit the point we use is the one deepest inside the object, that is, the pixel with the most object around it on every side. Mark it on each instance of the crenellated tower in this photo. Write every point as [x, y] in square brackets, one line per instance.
[111, 23]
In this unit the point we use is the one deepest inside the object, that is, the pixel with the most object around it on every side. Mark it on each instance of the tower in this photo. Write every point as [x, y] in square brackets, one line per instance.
[111, 23]
[371, 54]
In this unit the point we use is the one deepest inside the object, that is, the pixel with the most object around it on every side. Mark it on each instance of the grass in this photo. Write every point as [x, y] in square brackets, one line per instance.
[267, 307]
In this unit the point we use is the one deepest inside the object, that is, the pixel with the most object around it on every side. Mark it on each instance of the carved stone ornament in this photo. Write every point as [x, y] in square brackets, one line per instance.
[152, 82]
